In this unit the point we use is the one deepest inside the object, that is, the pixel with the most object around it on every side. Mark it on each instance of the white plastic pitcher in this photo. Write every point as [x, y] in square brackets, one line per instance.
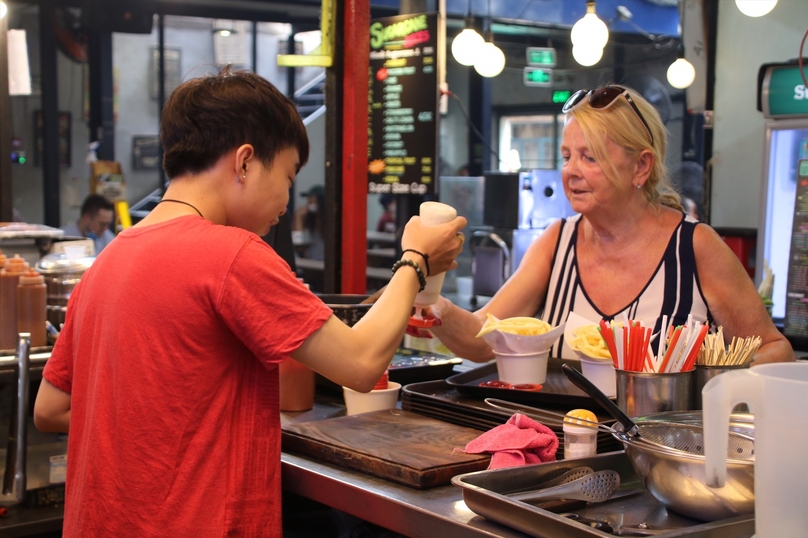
[777, 395]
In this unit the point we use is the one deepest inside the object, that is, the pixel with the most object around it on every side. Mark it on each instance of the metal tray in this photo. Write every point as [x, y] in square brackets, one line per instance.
[484, 492]
[557, 390]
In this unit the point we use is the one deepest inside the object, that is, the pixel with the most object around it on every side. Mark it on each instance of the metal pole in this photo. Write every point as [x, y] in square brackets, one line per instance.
[355, 66]
[15, 479]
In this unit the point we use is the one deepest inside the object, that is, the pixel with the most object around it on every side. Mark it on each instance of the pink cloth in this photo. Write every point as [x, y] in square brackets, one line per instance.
[520, 441]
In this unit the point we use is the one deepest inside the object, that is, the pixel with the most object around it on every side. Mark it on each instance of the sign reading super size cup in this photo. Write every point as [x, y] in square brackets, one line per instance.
[403, 104]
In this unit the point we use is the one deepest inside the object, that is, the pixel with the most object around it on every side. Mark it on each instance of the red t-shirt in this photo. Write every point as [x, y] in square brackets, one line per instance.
[170, 353]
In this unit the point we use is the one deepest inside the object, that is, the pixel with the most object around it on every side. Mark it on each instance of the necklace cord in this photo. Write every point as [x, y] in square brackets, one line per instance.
[181, 202]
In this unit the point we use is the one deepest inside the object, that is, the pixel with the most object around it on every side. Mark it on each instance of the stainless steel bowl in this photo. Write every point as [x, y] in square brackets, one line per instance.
[677, 478]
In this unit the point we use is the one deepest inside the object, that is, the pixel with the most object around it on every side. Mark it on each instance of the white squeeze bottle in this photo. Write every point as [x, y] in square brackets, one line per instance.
[433, 213]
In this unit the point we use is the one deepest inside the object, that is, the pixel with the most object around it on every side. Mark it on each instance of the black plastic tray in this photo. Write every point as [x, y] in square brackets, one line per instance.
[408, 366]
[557, 390]
[413, 366]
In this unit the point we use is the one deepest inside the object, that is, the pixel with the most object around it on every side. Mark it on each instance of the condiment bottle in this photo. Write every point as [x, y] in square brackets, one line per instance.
[32, 307]
[580, 434]
[296, 383]
[9, 278]
[432, 214]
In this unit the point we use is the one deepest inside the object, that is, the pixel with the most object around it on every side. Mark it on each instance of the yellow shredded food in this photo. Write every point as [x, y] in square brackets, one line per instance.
[587, 340]
[523, 326]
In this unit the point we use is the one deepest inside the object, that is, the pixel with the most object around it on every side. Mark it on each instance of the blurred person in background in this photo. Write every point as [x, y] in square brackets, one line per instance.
[309, 221]
[97, 214]
[387, 220]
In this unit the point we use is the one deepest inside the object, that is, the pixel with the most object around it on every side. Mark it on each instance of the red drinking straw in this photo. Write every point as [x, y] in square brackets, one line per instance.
[608, 337]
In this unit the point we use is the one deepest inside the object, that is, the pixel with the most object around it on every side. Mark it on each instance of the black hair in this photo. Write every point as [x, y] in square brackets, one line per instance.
[95, 203]
[206, 117]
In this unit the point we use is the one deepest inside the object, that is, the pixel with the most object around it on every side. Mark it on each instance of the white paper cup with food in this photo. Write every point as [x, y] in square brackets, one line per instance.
[596, 362]
[519, 368]
[521, 346]
[519, 334]
[375, 400]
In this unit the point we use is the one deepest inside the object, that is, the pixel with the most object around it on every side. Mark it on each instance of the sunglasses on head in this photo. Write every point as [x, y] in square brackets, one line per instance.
[604, 98]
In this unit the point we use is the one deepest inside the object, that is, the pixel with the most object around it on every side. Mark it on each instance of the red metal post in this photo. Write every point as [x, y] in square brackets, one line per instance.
[356, 62]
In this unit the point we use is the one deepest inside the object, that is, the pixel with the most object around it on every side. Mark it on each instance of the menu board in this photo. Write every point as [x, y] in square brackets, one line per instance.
[795, 322]
[403, 104]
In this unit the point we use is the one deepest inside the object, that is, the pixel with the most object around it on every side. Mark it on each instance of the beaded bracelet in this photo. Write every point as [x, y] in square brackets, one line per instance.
[424, 256]
[414, 265]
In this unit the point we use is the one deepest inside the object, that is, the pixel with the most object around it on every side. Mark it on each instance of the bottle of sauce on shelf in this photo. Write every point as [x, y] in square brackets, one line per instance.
[9, 278]
[32, 307]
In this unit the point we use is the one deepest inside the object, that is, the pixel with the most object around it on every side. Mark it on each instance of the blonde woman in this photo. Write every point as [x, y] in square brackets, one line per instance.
[631, 250]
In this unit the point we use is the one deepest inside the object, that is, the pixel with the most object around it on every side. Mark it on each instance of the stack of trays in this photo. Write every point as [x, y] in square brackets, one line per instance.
[439, 400]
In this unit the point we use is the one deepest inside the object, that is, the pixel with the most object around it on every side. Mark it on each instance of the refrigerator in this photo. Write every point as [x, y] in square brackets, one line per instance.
[783, 226]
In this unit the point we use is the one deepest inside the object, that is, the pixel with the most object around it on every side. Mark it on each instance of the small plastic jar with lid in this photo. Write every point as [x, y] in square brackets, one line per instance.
[580, 434]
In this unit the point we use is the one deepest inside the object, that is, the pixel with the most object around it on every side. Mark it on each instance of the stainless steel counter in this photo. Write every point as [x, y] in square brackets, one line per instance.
[412, 512]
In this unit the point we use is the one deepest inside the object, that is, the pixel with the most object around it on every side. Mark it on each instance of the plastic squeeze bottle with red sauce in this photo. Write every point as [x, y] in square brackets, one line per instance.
[9, 278]
[32, 307]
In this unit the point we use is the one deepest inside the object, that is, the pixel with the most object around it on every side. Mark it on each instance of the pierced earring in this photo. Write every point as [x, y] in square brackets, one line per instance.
[639, 186]
[244, 176]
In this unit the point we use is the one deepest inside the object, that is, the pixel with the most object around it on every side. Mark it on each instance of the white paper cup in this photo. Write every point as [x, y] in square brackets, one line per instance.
[375, 400]
[522, 368]
[600, 373]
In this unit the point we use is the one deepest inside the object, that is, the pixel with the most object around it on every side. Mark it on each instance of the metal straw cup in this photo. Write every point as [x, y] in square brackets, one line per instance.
[705, 373]
[641, 394]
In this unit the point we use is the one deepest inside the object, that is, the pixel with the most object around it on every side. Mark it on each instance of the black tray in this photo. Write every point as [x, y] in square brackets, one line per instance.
[413, 366]
[437, 399]
[409, 366]
[557, 390]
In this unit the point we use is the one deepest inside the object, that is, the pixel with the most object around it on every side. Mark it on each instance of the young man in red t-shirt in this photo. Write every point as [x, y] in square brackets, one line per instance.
[166, 372]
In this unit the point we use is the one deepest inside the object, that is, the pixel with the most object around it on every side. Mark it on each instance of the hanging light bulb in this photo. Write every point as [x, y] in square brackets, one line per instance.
[586, 56]
[490, 60]
[755, 8]
[3, 9]
[590, 31]
[466, 46]
[681, 73]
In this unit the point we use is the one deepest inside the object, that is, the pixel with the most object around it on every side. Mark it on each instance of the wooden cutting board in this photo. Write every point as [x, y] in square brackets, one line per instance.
[404, 447]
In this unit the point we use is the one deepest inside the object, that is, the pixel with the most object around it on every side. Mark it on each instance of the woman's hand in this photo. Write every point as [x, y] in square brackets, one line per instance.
[441, 242]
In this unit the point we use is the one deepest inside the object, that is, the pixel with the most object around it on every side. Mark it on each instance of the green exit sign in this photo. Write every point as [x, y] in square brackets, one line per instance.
[541, 56]
[561, 96]
[537, 76]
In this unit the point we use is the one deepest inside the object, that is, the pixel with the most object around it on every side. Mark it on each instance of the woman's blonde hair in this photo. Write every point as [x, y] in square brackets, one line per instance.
[624, 127]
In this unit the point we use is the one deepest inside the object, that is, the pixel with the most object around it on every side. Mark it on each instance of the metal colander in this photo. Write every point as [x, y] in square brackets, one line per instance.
[689, 438]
